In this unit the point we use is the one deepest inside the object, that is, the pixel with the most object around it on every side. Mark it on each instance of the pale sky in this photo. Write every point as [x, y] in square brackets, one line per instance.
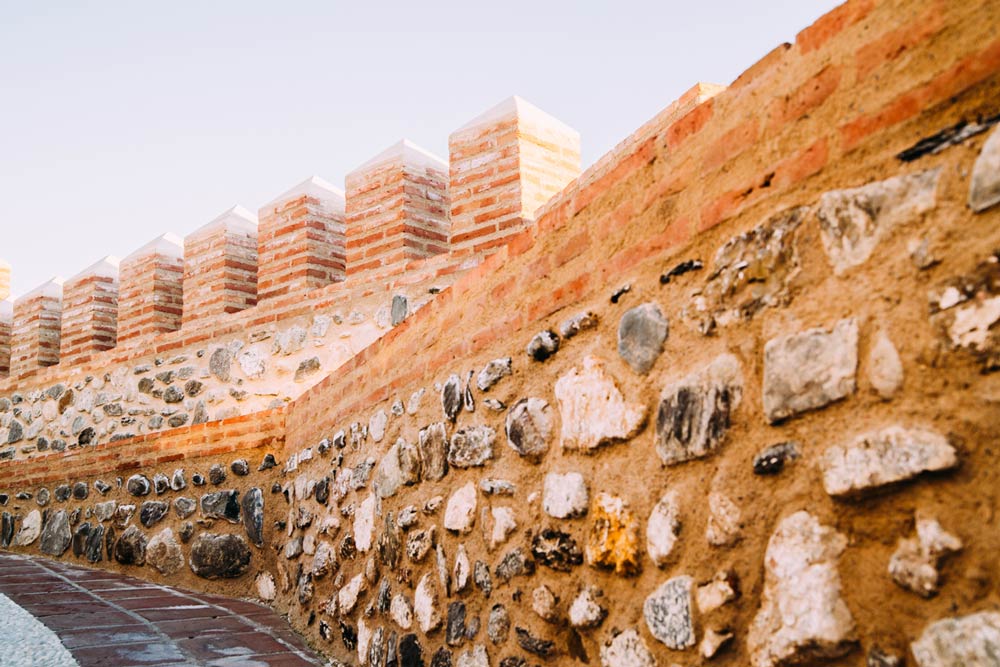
[121, 121]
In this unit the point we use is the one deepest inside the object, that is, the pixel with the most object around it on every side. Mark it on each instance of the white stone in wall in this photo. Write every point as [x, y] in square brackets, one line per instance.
[888, 455]
[626, 649]
[803, 617]
[965, 641]
[348, 596]
[543, 603]
[503, 524]
[265, 586]
[854, 221]
[460, 513]
[984, 186]
[475, 657]
[413, 405]
[376, 425]
[364, 641]
[724, 520]
[565, 495]
[914, 563]
[400, 611]
[663, 526]
[593, 410]
[462, 569]
[585, 611]
[253, 361]
[885, 370]
[426, 605]
[31, 528]
[364, 523]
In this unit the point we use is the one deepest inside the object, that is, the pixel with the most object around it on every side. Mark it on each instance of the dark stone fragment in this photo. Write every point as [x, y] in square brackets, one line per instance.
[400, 308]
[113, 409]
[528, 427]
[42, 497]
[152, 511]
[349, 635]
[339, 439]
[118, 437]
[55, 391]
[543, 345]
[6, 529]
[772, 460]
[877, 657]
[540, 647]
[146, 385]
[240, 467]
[513, 661]
[950, 136]
[130, 549]
[348, 549]
[184, 506]
[80, 536]
[390, 542]
[74, 517]
[455, 633]
[219, 556]
[197, 479]
[433, 446]
[620, 292]
[138, 485]
[468, 400]
[325, 631]
[42, 443]
[307, 368]
[15, 432]
[109, 542]
[161, 483]
[24, 495]
[166, 377]
[575, 648]
[253, 515]
[481, 577]
[102, 486]
[177, 481]
[192, 388]
[515, 563]
[200, 413]
[186, 531]
[391, 655]
[681, 269]
[58, 445]
[305, 588]
[86, 436]
[323, 446]
[92, 548]
[556, 549]
[451, 397]
[217, 474]
[267, 463]
[410, 653]
[322, 490]
[177, 421]
[173, 395]
[4, 498]
[222, 505]
[80, 491]
[383, 597]
[276, 487]
[442, 658]
[7, 454]
[641, 334]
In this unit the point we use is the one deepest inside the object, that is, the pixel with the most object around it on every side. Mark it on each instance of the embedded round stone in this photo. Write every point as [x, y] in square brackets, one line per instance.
[164, 552]
[543, 345]
[451, 397]
[102, 486]
[63, 492]
[219, 556]
[668, 613]
[222, 505]
[641, 334]
[240, 467]
[471, 447]
[80, 491]
[130, 549]
[138, 485]
[177, 481]
[42, 497]
[217, 474]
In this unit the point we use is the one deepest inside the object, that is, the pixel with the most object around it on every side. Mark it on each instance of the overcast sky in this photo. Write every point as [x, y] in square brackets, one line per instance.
[120, 121]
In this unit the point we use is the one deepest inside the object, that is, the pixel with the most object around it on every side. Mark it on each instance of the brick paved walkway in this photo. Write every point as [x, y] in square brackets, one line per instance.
[104, 618]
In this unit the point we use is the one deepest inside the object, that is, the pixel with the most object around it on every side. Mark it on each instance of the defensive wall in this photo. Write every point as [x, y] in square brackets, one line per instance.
[730, 397]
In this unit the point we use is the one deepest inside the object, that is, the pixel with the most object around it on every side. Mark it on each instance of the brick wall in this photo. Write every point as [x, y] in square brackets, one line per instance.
[6, 322]
[35, 338]
[152, 290]
[220, 267]
[397, 209]
[90, 312]
[4, 280]
[301, 240]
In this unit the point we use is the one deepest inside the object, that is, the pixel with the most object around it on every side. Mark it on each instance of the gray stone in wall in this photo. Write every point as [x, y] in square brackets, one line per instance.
[964, 641]
[219, 556]
[984, 186]
[161, 483]
[31, 528]
[106, 510]
[803, 618]
[853, 222]
[471, 446]
[217, 474]
[642, 332]
[220, 364]
[15, 432]
[498, 626]
[177, 481]
[130, 549]
[253, 515]
[307, 367]
[93, 547]
[138, 485]
[493, 372]
[56, 535]
[543, 345]
[451, 397]
[152, 511]
[184, 506]
[80, 536]
[222, 505]
[6, 529]
[80, 491]
[626, 649]
[694, 414]
[809, 370]
[163, 553]
[884, 456]
[400, 309]
[667, 611]
[42, 497]
[173, 395]
[433, 445]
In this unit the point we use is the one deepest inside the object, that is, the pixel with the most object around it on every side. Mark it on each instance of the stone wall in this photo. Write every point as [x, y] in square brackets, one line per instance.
[731, 398]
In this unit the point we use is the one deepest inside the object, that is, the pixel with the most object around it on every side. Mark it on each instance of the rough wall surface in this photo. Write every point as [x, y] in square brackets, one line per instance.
[732, 398]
